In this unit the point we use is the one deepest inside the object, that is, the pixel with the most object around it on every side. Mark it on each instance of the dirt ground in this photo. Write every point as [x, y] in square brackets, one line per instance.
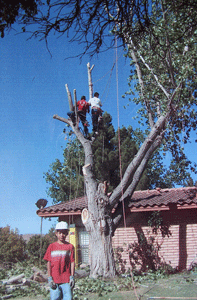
[180, 287]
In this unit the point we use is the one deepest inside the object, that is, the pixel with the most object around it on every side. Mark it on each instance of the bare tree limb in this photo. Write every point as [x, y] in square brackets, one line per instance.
[142, 166]
[169, 50]
[118, 215]
[69, 98]
[90, 80]
[150, 117]
[132, 167]
[132, 46]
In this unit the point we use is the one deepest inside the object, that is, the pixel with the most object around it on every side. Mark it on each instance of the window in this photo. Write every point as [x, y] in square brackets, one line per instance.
[83, 246]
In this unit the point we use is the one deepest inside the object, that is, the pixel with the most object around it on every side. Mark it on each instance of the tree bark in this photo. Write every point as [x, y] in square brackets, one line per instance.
[99, 227]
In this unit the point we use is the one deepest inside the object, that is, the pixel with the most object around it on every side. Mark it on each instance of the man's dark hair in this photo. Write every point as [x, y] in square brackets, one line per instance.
[83, 97]
[96, 94]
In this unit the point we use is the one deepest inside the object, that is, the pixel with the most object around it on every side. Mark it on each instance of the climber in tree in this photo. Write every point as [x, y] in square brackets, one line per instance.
[82, 109]
[96, 104]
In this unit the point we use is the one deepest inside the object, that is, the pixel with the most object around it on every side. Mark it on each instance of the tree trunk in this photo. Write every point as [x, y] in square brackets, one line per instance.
[98, 223]
[101, 254]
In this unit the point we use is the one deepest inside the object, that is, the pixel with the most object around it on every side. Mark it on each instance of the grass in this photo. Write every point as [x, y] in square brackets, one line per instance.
[182, 285]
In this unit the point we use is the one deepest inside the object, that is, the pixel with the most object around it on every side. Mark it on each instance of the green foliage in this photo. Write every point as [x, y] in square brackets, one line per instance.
[33, 246]
[155, 221]
[97, 286]
[120, 263]
[66, 179]
[12, 245]
[19, 268]
[167, 59]
[33, 289]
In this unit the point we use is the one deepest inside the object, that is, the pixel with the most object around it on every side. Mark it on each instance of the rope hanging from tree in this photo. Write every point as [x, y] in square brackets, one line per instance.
[119, 142]
[120, 163]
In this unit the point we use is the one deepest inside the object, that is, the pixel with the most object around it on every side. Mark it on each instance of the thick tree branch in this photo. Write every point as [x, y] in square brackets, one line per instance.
[118, 215]
[131, 169]
[142, 167]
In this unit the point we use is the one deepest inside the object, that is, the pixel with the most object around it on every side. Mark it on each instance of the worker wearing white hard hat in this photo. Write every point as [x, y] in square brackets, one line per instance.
[61, 226]
[61, 264]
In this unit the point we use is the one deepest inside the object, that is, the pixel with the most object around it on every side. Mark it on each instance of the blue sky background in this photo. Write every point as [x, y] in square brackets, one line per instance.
[32, 90]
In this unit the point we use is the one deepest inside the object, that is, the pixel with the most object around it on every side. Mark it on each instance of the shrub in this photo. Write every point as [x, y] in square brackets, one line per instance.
[33, 246]
[144, 253]
[12, 245]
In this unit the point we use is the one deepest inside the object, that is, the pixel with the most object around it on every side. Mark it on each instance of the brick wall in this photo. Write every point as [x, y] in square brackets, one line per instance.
[179, 250]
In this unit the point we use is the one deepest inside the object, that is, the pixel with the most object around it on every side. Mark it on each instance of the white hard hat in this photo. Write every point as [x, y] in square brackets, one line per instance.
[61, 226]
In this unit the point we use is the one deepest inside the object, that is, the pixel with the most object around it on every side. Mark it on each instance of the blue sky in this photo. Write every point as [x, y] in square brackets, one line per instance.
[32, 90]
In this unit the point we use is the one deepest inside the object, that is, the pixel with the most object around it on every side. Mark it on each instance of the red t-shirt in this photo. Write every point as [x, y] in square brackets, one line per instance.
[60, 256]
[83, 105]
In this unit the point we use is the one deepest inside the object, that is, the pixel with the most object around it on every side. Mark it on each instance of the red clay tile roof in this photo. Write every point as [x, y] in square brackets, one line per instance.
[73, 205]
[164, 197]
[140, 199]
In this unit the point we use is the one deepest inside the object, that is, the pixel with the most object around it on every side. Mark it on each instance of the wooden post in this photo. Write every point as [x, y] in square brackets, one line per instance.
[41, 242]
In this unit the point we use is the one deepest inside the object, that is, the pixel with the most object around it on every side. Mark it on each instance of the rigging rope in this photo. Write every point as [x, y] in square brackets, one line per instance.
[120, 163]
[119, 144]
[109, 80]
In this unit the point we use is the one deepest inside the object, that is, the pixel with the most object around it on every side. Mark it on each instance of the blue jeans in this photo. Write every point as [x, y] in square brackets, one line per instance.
[62, 292]
[95, 115]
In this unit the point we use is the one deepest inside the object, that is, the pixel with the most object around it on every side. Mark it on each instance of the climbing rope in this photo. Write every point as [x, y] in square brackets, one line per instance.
[119, 140]
[120, 163]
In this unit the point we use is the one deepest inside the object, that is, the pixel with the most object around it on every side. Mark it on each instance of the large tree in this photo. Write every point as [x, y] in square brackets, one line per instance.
[65, 178]
[160, 38]
[164, 69]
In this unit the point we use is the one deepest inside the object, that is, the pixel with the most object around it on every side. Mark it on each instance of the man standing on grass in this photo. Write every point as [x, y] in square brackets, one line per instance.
[61, 265]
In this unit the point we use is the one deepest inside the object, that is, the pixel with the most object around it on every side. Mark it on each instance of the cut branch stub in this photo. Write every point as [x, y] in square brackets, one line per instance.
[69, 98]
[90, 80]
[75, 101]
[84, 215]
[86, 168]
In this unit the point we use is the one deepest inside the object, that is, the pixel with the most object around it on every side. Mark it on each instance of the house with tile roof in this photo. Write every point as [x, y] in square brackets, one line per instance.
[177, 207]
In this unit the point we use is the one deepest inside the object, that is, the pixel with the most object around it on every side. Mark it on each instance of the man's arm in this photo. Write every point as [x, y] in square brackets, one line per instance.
[50, 278]
[49, 268]
[72, 271]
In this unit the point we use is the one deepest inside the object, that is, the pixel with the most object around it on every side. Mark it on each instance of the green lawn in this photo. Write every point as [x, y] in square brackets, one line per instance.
[179, 287]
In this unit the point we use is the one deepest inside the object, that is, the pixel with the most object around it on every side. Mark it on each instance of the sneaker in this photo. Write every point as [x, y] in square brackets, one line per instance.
[100, 119]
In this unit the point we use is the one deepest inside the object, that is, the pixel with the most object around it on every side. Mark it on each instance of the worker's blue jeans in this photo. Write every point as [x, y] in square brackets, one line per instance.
[95, 115]
[62, 292]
